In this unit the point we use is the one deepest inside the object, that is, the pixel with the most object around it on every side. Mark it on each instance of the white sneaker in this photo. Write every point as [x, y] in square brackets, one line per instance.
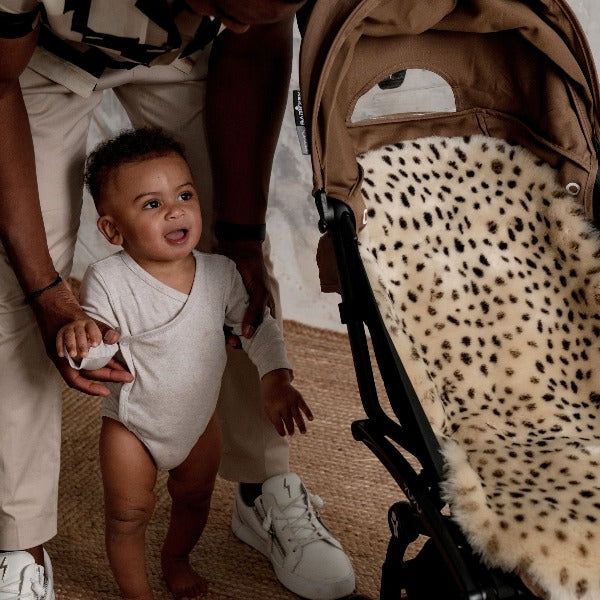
[22, 579]
[285, 527]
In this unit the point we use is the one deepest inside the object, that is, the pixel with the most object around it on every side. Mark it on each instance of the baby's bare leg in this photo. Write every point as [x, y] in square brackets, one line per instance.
[191, 485]
[129, 477]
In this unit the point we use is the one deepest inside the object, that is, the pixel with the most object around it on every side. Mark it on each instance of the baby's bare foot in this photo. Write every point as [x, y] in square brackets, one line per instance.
[183, 582]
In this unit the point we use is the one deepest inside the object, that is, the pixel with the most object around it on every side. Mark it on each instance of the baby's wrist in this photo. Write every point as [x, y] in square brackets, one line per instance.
[274, 383]
[277, 376]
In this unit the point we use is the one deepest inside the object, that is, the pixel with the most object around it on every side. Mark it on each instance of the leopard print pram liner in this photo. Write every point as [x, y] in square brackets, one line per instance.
[487, 275]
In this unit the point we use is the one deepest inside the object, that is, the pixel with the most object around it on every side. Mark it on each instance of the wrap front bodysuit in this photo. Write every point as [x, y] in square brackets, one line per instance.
[174, 346]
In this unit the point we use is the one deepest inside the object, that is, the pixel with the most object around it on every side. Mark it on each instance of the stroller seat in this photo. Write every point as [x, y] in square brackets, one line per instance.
[487, 276]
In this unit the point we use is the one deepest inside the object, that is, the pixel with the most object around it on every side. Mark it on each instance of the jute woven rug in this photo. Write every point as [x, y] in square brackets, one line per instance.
[355, 487]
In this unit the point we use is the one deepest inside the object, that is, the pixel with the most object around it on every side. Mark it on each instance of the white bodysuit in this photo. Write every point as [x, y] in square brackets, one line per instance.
[174, 346]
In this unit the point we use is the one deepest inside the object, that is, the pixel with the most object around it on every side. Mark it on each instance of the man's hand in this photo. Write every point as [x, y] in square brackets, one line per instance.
[248, 257]
[57, 308]
[284, 404]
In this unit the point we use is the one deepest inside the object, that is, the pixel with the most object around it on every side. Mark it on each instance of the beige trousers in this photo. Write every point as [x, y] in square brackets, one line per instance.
[30, 403]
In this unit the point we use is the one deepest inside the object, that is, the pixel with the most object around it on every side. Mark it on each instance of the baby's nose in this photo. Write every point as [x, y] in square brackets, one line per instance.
[175, 212]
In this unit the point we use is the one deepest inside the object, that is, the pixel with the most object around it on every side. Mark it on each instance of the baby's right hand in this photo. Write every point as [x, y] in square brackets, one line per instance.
[77, 338]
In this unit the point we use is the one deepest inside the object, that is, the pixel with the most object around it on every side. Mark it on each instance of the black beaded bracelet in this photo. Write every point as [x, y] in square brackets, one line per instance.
[29, 298]
[226, 231]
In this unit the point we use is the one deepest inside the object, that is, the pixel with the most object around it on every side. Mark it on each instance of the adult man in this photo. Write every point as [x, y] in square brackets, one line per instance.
[159, 57]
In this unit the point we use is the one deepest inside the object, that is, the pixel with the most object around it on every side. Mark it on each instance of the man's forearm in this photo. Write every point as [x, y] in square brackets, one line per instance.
[247, 91]
[21, 224]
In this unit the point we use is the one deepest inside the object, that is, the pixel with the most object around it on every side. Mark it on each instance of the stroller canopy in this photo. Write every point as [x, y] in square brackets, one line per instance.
[519, 70]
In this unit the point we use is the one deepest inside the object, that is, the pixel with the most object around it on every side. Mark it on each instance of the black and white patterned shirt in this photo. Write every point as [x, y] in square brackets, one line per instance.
[79, 39]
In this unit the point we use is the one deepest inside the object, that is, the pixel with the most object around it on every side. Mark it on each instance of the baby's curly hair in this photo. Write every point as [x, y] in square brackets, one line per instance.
[131, 145]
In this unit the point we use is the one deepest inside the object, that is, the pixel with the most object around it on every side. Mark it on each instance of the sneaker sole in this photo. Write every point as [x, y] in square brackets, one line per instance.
[331, 591]
[327, 591]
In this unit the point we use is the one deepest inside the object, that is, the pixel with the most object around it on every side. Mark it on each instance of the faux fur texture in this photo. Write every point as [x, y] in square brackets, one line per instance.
[488, 277]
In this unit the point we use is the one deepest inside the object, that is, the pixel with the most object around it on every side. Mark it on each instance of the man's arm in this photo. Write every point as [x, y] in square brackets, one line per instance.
[248, 84]
[24, 239]
[22, 230]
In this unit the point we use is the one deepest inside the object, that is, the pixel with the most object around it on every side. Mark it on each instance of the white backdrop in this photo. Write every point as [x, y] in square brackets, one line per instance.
[292, 217]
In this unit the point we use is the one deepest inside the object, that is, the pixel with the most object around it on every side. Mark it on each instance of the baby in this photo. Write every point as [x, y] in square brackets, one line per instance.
[167, 305]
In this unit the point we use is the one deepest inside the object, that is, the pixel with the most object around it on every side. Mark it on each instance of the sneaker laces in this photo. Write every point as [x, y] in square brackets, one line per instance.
[303, 528]
[37, 591]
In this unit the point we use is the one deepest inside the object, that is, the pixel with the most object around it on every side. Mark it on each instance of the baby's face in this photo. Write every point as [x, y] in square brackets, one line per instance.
[154, 206]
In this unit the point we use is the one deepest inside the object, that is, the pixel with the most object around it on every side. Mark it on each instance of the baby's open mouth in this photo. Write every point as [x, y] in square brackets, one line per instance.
[177, 236]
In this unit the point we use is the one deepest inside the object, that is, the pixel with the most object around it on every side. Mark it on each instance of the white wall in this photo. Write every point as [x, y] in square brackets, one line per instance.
[292, 217]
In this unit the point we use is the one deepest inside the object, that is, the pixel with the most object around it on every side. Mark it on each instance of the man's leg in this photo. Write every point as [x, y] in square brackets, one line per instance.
[30, 408]
[307, 559]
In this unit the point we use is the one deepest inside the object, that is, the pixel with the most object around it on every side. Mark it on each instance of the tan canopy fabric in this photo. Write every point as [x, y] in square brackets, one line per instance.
[518, 74]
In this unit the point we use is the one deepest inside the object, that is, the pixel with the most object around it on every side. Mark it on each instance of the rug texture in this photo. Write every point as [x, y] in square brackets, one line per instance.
[488, 277]
[355, 488]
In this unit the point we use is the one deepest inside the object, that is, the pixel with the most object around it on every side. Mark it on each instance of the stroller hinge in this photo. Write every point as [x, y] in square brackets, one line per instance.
[326, 212]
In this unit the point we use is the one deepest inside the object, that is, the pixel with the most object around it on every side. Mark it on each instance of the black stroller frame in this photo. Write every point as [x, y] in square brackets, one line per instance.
[459, 575]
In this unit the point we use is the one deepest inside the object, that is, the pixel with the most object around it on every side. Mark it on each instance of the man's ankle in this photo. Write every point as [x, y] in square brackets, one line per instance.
[37, 552]
[250, 492]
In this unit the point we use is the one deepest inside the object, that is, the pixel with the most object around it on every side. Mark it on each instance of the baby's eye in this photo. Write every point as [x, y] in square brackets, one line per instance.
[151, 204]
[185, 196]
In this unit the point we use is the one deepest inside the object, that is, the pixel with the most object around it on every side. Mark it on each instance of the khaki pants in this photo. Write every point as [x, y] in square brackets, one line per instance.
[30, 403]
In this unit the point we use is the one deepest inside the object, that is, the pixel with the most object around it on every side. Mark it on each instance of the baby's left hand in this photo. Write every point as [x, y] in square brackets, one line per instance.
[284, 404]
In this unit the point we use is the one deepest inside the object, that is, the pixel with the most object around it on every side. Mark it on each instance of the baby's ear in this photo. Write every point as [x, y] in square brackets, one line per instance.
[109, 230]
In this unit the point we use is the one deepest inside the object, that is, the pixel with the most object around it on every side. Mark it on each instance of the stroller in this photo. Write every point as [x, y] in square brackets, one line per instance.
[463, 241]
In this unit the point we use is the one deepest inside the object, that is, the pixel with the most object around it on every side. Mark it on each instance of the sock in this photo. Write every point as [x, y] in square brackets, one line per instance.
[250, 492]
